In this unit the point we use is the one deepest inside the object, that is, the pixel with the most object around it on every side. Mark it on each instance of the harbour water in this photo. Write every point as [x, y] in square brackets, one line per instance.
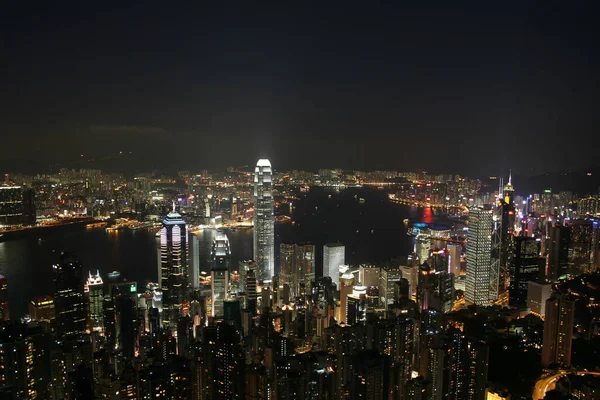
[372, 230]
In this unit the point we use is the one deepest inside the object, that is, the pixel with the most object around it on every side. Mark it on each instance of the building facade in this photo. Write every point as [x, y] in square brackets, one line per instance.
[334, 255]
[69, 299]
[173, 273]
[264, 222]
[482, 282]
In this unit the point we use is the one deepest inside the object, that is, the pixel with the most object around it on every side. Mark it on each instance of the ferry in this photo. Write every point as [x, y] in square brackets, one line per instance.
[94, 225]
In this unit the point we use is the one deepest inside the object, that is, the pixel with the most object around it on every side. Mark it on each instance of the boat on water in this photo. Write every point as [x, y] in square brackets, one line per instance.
[96, 225]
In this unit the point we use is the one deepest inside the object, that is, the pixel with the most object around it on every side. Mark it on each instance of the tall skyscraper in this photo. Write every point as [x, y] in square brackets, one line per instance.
[29, 211]
[297, 267]
[173, 266]
[558, 252]
[264, 222]
[411, 273]
[525, 266]
[388, 278]
[580, 248]
[454, 250]
[221, 252]
[126, 323]
[220, 287]
[68, 296]
[222, 362]
[537, 294]
[482, 282]
[194, 261]
[11, 205]
[334, 255]
[558, 331]
[94, 288]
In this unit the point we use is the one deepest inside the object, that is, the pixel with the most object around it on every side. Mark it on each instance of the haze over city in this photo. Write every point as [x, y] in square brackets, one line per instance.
[437, 86]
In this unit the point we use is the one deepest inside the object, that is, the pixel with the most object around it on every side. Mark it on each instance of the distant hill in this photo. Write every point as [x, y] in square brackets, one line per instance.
[582, 182]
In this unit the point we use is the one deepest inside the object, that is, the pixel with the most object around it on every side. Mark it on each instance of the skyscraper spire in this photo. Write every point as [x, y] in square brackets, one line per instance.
[510, 176]
[173, 206]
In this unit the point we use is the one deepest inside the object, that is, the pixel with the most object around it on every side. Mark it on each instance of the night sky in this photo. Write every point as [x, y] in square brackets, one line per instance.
[461, 87]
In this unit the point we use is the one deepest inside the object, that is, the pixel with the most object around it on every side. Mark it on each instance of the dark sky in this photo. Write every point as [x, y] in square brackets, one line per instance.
[445, 86]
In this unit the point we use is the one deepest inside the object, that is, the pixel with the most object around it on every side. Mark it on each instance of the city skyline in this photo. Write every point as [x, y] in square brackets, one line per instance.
[363, 201]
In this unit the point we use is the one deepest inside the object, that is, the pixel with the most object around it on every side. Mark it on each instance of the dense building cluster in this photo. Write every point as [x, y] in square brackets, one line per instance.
[513, 269]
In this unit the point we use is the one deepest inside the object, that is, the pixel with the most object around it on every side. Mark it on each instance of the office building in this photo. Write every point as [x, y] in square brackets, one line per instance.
[11, 205]
[368, 275]
[502, 242]
[411, 274]
[347, 283]
[558, 331]
[444, 291]
[41, 308]
[126, 323]
[29, 210]
[222, 362]
[69, 301]
[537, 294]
[297, 267]
[439, 261]
[525, 266]
[558, 253]
[388, 278]
[173, 273]
[94, 289]
[219, 290]
[334, 256]
[580, 247]
[422, 248]
[221, 252]
[482, 282]
[454, 252]
[194, 264]
[589, 206]
[264, 221]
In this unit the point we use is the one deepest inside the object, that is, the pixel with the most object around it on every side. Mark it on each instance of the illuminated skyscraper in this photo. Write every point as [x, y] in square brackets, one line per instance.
[264, 222]
[580, 248]
[220, 287]
[11, 205]
[95, 293]
[334, 255]
[482, 281]
[454, 250]
[68, 296]
[297, 267]
[194, 267]
[41, 308]
[558, 331]
[388, 278]
[173, 266]
[221, 252]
